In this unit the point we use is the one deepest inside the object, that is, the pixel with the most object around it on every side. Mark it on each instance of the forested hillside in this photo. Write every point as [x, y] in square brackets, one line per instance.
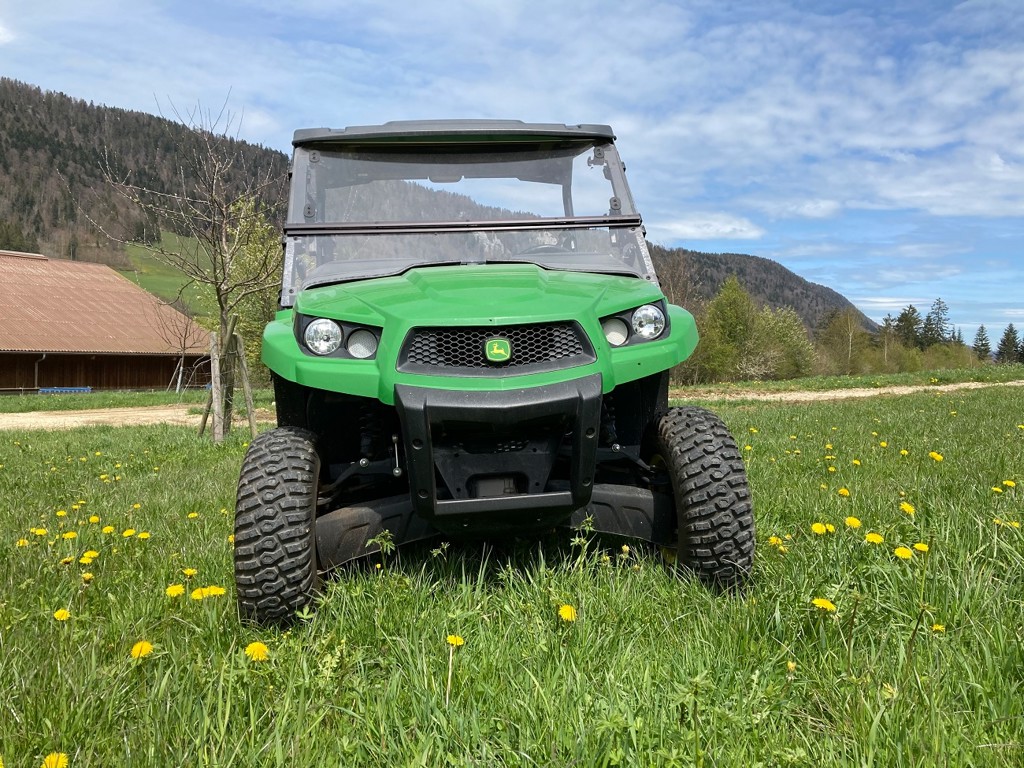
[54, 152]
[54, 196]
[692, 278]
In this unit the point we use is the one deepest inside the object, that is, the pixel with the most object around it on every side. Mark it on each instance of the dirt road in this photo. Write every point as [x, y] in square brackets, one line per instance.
[178, 414]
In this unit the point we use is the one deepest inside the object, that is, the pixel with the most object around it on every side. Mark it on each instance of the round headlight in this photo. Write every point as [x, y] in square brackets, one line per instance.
[648, 322]
[362, 344]
[322, 336]
[615, 331]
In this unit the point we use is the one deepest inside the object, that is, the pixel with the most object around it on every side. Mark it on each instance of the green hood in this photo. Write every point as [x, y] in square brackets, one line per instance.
[470, 295]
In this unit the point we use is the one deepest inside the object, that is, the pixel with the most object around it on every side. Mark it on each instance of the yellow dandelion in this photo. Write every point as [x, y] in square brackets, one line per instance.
[791, 666]
[39, 531]
[69, 535]
[775, 541]
[783, 549]
[824, 604]
[907, 507]
[62, 614]
[22, 542]
[936, 455]
[87, 577]
[143, 535]
[62, 512]
[175, 590]
[938, 627]
[189, 572]
[625, 549]
[257, 651]
[996, 489]
[91, 553]
[753, 430]
[818, 528]
[823, 487]
[748, 447]
[844, 492]
[921, 547]
[455, 640]
[1013, 523]
[108, 529]
[128, 533]
[904, 452]
[856, 462]
[997, 520]
[832, 469]
[903, 553]
[193, 515]
[136, 506]
[874, 538]
[83, 560]
[852, 522]
[883, 444]
[567, 613]
[94, 518]
[55, 760]
[1009, 483]
[828, 446]
[142, 649]
[66, 560]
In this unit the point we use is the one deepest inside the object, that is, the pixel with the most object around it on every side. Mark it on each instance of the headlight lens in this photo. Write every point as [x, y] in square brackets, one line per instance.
[322, 336]
[362, 344]
[615, 331]
[648, 322]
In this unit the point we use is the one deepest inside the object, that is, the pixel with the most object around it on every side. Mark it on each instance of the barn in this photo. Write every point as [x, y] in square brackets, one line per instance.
[72, 324]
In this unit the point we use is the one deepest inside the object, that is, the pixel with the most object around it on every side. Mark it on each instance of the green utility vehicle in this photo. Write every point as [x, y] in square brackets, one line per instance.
[472, 342]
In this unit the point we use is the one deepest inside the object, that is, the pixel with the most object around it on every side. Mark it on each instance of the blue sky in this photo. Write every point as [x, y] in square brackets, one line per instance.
[879, 151]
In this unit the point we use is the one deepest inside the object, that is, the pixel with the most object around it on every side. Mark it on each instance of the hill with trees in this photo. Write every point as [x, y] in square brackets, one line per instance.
[57, 154]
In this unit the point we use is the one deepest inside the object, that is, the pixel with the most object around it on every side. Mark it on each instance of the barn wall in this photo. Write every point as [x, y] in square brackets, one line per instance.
[18, 371]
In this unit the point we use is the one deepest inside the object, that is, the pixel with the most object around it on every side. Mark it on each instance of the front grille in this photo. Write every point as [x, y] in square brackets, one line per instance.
[534, 348]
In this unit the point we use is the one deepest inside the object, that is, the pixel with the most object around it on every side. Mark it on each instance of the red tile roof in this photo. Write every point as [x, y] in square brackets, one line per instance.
[54, 305]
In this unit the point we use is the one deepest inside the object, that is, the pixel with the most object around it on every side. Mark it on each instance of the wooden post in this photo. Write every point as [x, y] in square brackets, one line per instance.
[243, 370]
[215, 371]
[215, 390]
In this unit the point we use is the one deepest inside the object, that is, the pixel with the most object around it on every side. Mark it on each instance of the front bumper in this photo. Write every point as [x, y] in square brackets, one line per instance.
[493, 462]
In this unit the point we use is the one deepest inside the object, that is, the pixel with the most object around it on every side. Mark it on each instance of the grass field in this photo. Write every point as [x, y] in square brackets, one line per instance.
[114, 542]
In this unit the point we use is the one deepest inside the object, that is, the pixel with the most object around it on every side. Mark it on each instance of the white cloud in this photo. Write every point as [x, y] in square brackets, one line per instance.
[6, 36]
[706, 226]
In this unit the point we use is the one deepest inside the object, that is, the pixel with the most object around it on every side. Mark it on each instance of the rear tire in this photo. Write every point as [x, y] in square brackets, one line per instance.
[275, 526]
[712, 497]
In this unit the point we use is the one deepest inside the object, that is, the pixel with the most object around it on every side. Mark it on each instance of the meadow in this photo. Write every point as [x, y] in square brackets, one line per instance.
[884, 624]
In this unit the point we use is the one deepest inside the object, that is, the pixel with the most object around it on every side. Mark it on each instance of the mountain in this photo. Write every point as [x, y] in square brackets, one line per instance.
[691, 278]
[55, 152]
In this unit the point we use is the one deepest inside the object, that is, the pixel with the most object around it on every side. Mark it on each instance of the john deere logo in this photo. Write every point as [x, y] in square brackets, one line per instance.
[497, 350]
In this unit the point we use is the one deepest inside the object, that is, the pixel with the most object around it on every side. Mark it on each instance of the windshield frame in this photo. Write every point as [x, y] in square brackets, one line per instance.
[597, 152]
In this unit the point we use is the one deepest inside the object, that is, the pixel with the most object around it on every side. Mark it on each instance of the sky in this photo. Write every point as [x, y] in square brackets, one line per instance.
[876, 148]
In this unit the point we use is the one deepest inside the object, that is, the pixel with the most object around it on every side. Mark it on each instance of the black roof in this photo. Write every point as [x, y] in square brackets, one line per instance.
[402, 131]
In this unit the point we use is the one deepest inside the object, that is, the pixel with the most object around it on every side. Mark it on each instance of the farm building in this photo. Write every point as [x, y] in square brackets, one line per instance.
[76, 324]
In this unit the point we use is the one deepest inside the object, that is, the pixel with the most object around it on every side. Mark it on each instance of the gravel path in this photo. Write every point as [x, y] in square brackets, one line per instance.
[178, 414]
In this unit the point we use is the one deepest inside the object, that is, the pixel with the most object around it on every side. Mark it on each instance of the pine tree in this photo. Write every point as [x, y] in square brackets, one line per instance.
[1007, 351]
[935, 328]
[982, 346]
[908, 327]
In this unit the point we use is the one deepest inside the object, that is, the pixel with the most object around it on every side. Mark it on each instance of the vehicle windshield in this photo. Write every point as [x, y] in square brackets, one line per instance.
[361, 212]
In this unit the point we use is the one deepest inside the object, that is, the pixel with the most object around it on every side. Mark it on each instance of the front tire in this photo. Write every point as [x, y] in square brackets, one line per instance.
[275, 526]
[712, 497]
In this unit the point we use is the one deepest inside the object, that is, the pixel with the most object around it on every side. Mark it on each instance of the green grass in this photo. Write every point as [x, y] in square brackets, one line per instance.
[982, 373]
[655, 671]
[163, 280]
[116, 399]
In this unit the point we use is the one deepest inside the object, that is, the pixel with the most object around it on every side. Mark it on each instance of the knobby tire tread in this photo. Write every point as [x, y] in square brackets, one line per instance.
[275, 526]
[712, 495]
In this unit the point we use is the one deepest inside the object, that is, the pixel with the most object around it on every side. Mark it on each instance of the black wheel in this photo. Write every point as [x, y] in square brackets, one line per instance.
[275, 526]
[712, 497]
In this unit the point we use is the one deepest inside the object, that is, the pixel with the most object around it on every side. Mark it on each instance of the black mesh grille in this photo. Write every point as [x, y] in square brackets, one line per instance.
[539, 347]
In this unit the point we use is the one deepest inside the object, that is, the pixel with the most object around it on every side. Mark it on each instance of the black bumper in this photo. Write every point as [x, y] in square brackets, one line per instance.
[483, 461]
